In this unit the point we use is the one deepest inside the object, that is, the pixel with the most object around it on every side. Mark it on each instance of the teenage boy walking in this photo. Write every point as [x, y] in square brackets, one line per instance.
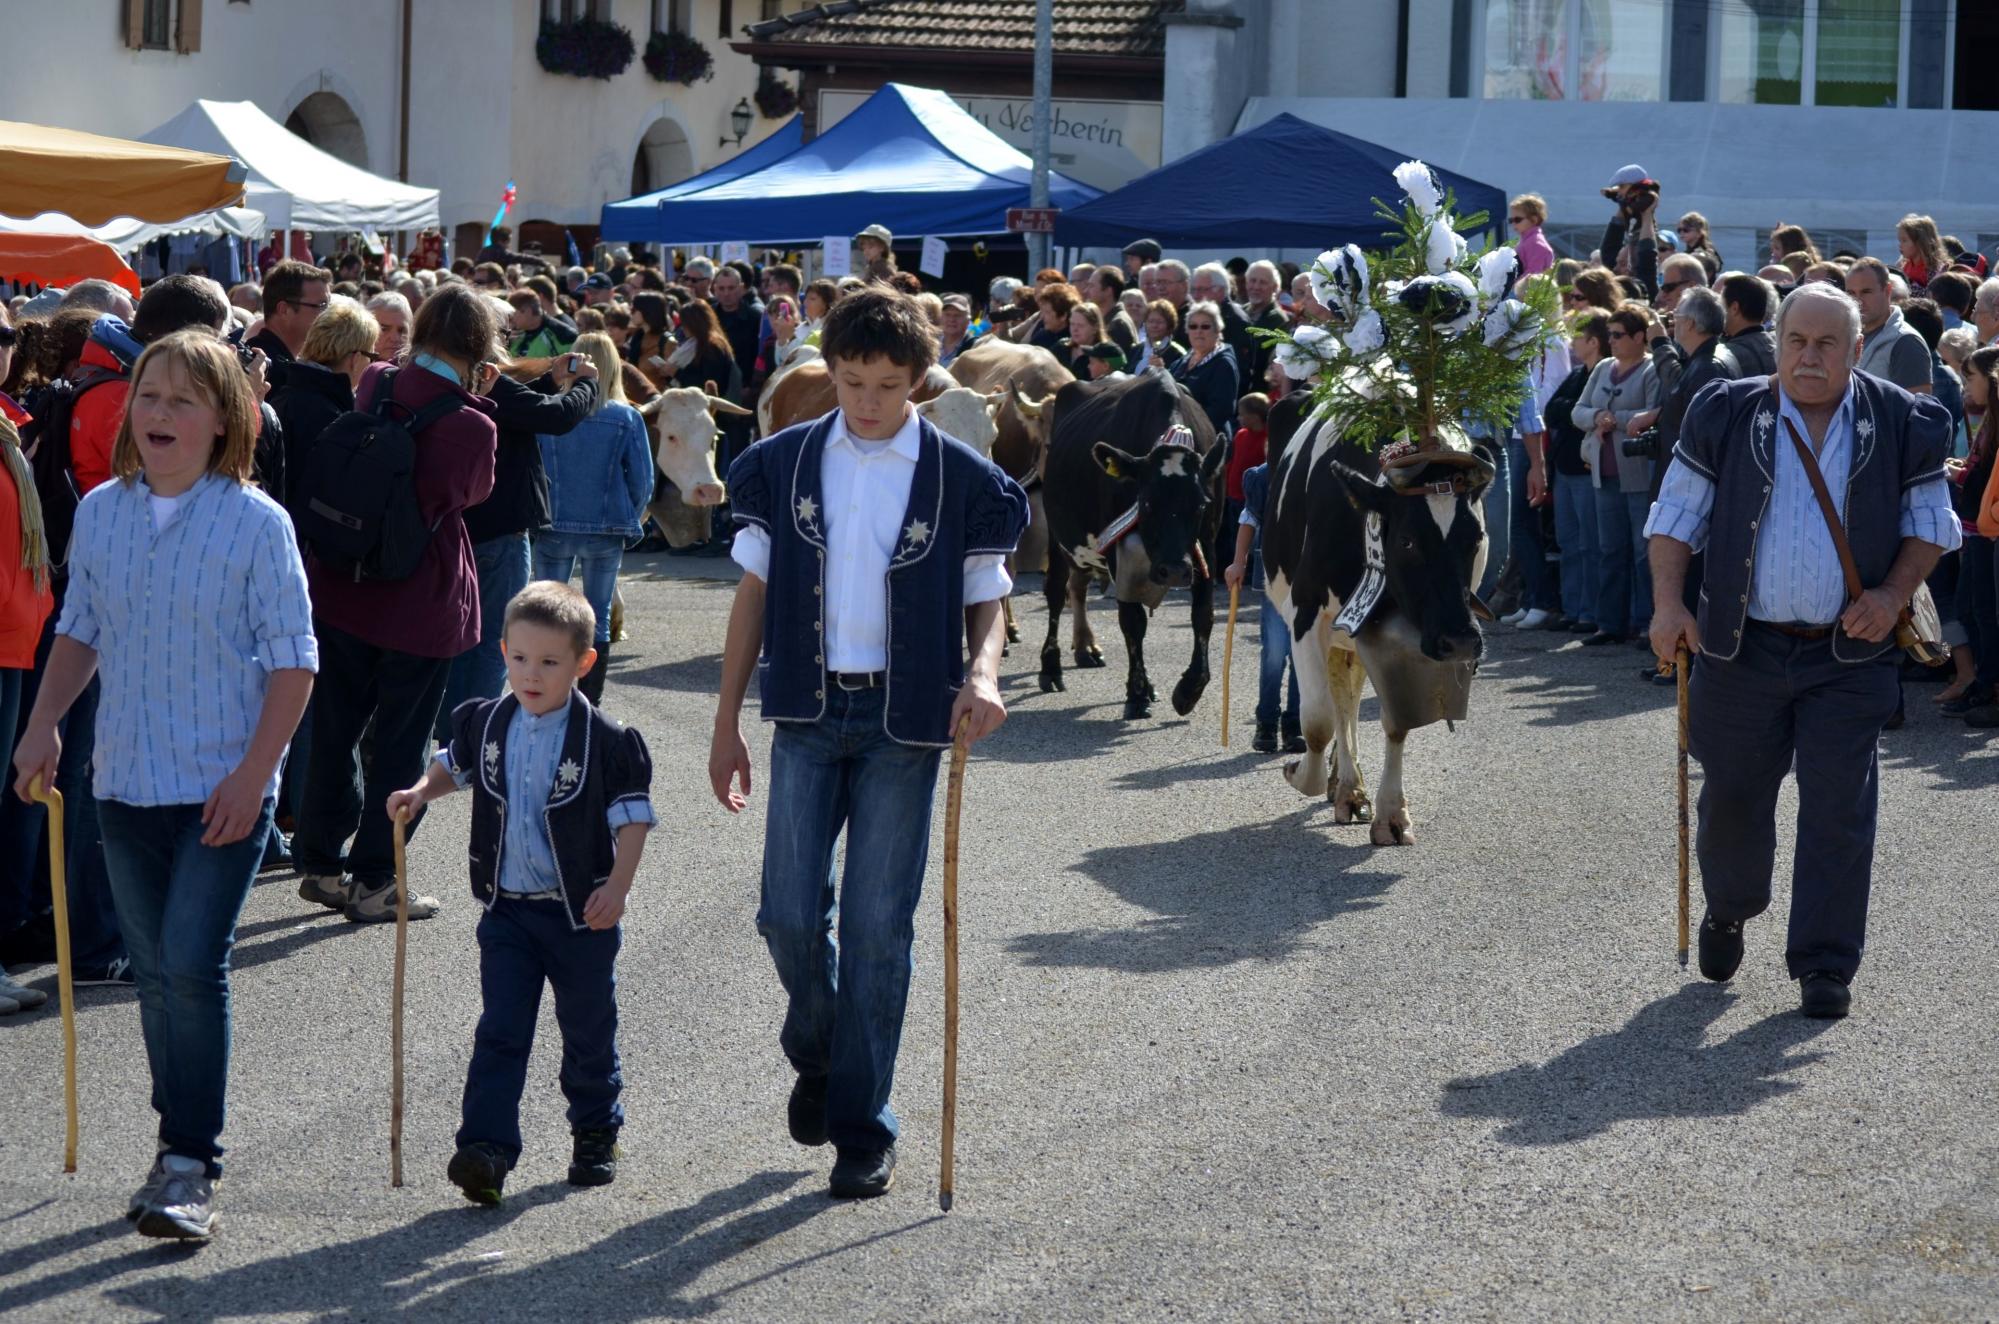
[873, 548]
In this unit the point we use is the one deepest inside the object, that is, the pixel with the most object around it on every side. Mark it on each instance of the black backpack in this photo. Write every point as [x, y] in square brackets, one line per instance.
[48, 438]
[355, 503]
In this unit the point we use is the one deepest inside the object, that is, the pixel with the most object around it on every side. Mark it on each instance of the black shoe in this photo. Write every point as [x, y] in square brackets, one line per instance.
[1721, 948]
[1823, 995]
[1294, 743]
[807, 1111]
[1602, 637]
[480, 1170]
[862, 1174]
[116, 974]
[1265, 741]
[592, 682]
[277, 853]
[1582, 627]
[1985, 715]
[593, 1161]
[1972, 699]
[1663, 679]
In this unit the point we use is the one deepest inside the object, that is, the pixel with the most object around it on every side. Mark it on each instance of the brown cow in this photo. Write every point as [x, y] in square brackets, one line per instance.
[1030, 376]
[806, 392]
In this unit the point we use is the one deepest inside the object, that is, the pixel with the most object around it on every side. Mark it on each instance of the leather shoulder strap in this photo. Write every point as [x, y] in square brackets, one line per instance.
[1830, 511]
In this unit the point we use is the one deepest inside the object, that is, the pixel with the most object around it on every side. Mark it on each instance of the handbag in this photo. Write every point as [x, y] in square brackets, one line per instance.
[1918, 630]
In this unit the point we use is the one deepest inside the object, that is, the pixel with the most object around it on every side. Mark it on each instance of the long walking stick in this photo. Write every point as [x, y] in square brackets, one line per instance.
[396, 1009]
[1682, 665]
[1228, 660]
[65, 986]
[954, 804]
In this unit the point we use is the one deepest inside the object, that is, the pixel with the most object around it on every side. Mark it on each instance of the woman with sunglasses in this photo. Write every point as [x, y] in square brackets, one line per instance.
[319, 385]
[1694, 239]
[1209, 372]
[1619, 388]
[1526, 215]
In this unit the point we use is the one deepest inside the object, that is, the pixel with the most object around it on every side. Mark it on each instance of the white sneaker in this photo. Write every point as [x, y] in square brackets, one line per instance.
[182, 1205]
[20, 995]
[1514, 618]
[1536, 619]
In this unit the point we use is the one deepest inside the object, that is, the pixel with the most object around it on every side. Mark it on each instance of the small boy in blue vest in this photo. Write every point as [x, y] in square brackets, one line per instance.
[560, 811]
[873, 552]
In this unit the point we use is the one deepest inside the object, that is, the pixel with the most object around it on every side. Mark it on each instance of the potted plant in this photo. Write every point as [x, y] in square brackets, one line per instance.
[584, 47]
[775, 98]
[675, 57]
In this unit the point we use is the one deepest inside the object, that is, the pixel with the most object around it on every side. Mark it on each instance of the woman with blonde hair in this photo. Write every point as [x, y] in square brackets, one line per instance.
[318, 386]
[1923, 253]
[1526, 215]
[599, 481]
[1787, 240]
[1086, 328]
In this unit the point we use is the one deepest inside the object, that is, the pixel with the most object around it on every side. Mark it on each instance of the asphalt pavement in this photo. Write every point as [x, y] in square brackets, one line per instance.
[1220, 1058]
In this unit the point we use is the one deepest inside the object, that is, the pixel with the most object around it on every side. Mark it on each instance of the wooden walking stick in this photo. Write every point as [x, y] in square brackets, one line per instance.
[1682, 665]
[1228, 660]
[65, 985]
[396, 1008]
[954, 804]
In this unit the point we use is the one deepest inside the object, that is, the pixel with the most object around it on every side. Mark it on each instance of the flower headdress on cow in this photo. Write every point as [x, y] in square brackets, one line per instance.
[1426, 336]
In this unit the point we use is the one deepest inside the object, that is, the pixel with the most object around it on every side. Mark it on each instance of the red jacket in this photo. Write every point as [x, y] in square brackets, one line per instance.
[1248, 452]
[435, 612]
[94, 421]
[23, 607]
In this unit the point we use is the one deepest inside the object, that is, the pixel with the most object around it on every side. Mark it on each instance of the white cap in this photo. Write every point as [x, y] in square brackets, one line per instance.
[1631, 174]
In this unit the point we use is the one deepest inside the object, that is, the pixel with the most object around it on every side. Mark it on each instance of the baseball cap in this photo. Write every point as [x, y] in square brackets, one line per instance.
[598, 282]
[1107, 351]
[877, 232]
[958, 301]
[1631, 174]
[1147, 249]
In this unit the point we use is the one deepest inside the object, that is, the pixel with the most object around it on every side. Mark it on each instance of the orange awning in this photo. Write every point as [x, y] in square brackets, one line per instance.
[97, 179]
[62, 259]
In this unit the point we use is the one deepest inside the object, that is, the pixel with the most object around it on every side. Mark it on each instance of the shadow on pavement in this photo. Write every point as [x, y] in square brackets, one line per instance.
[1243, 894]
[421, 1270]
[691, 675]
[20, 1259]
[1656, 1066]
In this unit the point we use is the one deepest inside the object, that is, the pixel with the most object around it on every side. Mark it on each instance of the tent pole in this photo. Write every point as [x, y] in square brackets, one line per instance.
[1044, 95]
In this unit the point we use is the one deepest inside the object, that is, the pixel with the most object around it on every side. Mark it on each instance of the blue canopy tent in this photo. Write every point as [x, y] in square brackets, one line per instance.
[1283, 184]
[633, 220]
[909, 158]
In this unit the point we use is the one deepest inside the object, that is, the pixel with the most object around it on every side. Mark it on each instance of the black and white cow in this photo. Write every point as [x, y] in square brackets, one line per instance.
[1419, 644]
[1112, 448]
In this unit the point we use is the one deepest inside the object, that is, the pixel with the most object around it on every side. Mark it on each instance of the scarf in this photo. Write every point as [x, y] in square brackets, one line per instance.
[34, 540]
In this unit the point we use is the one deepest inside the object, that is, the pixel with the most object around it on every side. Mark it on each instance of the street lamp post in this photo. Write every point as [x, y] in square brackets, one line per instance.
[1044, 96]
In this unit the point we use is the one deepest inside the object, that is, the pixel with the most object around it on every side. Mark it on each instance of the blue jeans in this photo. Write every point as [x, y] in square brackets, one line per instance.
[844, 1020]
[557, 556]
[1786, 703]
[522, 944]
[1575, 529]
[178, 902]
[1537, 590]
[1498, 510]
[1275, 653]
[480, 672]
[1624, 594]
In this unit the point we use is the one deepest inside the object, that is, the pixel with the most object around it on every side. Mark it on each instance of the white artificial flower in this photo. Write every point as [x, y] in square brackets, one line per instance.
[1444, 247]
[1511, 327]
[1309, 350]
[1414, 178]
[1495, 272]
[1366, 335]
[1339, 280]
[1460, 282]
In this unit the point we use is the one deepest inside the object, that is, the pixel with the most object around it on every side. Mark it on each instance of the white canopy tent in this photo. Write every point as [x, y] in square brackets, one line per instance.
[296, 185]
[126, 234]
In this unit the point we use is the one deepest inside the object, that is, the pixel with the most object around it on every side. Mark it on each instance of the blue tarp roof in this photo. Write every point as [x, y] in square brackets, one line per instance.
[909, 158]
[635, 219]
[1283, 184]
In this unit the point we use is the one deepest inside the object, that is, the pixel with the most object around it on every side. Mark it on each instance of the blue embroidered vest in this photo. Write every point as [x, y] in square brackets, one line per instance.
[960, 504]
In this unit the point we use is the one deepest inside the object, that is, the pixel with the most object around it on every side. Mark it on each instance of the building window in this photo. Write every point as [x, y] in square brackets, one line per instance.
[1816, 53]
[163, 25]
[1574, 50]
[157, 33]
[676, 16]
[568, 11]
[771, 9]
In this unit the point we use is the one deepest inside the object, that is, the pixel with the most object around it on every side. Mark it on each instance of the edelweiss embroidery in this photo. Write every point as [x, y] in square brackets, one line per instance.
[566, 774]
[492, 757]
[916, 534]
[808, 510]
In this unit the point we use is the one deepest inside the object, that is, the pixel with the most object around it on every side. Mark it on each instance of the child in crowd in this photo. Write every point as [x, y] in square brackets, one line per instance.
[857, 527]
[1245, 452]
[599, 481]
[1275, 639]
[188, 596]
[553, 875]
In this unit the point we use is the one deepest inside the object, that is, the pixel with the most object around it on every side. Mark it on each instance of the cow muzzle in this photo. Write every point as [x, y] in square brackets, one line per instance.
[706, 494]
[1178, 574]
[1454, 647]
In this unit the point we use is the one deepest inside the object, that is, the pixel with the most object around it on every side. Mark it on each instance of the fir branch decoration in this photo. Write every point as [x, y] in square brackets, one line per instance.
[1426, 337]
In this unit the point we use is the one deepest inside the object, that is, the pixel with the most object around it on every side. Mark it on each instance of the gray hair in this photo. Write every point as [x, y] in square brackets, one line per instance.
[1213, 271]
[1205, 307]
[1176, 266]
[1269, 268]
[1988, 294]
[699, 266]
[1819, 291]
[1002, 289]
[1152, 267]
[1703, 307]
[1684, 262]
[390, 299]
[98, 295]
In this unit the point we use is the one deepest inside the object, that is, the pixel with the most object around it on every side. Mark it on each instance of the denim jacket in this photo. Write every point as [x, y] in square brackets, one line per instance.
[600, 473]
[960, 504]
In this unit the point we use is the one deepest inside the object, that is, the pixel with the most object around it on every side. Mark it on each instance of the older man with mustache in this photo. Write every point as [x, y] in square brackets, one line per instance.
[1789, 671]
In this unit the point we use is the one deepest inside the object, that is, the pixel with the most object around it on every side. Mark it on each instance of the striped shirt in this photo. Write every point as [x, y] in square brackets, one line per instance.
[534, 749]
[1797, 577]
[187, 622]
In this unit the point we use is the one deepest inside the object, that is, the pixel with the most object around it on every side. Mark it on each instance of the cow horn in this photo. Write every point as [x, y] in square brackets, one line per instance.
[716, 402]
[1030, 408]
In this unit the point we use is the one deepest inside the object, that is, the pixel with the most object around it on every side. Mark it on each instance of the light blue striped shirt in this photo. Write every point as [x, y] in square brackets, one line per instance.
[534, 753]
[1796, 578]
[187, 623]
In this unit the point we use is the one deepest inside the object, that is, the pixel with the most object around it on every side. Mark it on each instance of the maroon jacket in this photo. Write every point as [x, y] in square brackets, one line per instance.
[435, 612]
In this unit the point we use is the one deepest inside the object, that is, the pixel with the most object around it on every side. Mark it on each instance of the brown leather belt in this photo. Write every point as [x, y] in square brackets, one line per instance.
[1797, 631]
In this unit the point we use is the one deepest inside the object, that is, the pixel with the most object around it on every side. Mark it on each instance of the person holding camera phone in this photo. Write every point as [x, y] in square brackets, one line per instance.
[1634, 227]
[1621, 388]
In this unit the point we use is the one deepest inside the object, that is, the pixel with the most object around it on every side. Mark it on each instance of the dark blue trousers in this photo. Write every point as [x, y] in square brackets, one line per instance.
[521, 945]
[1784, 702]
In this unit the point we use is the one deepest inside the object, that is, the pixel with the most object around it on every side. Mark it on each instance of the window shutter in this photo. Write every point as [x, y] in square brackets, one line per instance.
[135, 24]
[187, 36]
[728, 17]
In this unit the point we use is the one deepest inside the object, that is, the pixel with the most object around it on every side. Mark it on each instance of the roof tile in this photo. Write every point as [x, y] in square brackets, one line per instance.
[1082, 27]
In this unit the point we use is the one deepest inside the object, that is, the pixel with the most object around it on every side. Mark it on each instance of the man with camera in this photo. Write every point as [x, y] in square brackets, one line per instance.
[1635, 226]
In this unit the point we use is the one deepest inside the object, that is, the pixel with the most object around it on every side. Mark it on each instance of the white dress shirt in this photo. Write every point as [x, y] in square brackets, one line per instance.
[865, 489]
